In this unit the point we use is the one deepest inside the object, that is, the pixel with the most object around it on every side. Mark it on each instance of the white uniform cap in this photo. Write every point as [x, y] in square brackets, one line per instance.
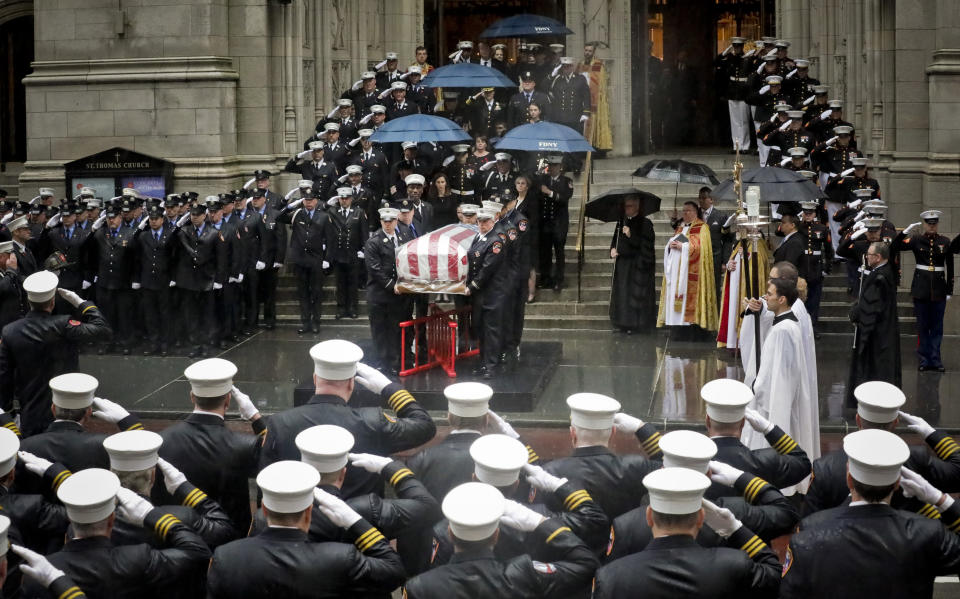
[687, 449]
[414, 179]
[415, 70]
[821, 89]
[354, 169]
[73, 391]
[498, 459]
[879, 401]
[4, 527]
[89, 495]
[325, 447]
[554, 159]
[492, 206]
[781, 44]
[6, 247]
[798, 151]
[378, 108]
[567, 60]
[781, 107]
[335, 359]
[87, 191]
[874, 456]
[368, 75]
[809, 206]
[307, 183]
[592, 410]
[315, 145]
[465, 45]
[773, 79]
[502, 156]
[872, 223]
[345, 192]
[9, 446]
[344, 102]
[92, 203]
[46, 191]
[876, 207]
[557, 47]
[801, 63]
[843, 129]
[931, 215]
[365, 132]
[460, 148]
[795, 114]
[18, 223]
[469, 209]
[211, 378]
[468, 399]
[835, 104]
[738, 40]
[864, 194]
[389, 213]
[288, 486]
[398, 85]
[473, 511]
[391, 55]
[858, 161]
[484, 214]
[676, 490]
[726, 399]
[408, 144]
[40, 286]
[132, 451]
[129, 192]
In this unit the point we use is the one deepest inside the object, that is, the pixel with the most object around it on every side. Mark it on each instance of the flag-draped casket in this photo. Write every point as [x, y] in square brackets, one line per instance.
[436, 262]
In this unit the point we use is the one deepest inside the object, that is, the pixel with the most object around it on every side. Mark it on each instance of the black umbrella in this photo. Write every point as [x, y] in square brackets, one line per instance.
[776, 185]
[608, 207]
[678, 171]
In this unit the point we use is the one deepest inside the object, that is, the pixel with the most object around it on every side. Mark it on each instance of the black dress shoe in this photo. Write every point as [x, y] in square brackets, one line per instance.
[303, 330]
[195, 353]
[126, 351]
[338, 316]
[922, 368]
[269, 327]
[941, 369]
[479, 371]
[223, 345]
[487, 374]
[148, 352]
[101, 350]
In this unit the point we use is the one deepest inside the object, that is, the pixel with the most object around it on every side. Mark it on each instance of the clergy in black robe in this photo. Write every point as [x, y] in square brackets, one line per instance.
[633, 300]
[876, 353]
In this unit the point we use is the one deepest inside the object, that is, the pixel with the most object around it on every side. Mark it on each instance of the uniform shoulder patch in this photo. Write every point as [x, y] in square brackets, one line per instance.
[74, 323]
[389, 418]
[497, 246]
[787, 562]
[544, 567]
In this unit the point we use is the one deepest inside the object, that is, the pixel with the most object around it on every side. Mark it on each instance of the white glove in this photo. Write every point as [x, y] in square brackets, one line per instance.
[217, 286]
[232, 280]
[34, 464]
[294, 205]
[360, 254]
[143, 224]
[371, 378]
[333, 112]
[541, 479]
[720, 519]
[85, 285]
[260, 265]
[832, 140]
[353, 142]
[825, 114]
[757, 421]
[335, 509]
[70, 297]
[520, 517]
[500, 425]
[132, 508]
[240, 278]
[914, 485]
[773, 118]
[488, 165]
[333, 201]
[809, 100]
[860, 225]
[916, 424]
[759, 68]
[366, 119]
[278, 264]
[99, 222]
[846, 172]
[726, 50]
[625, 423]
[53, 221]
[764, 89]
[134, 286]
[785, 161]
[385, 93]
[244, 403]
[791, 73]
[910, 228]
[380, 65]
[448, 160]
[859, 233]
[584, 118]
[356, 85]
[784, 126]
[108, 411]
[36, 566]
[325, 265]
[438, 107]
[247, 185]
[183, 220]
[724, 474]
[750, 53]
[304, 154]
[6, 218]
[172, 478]
[173, 283]
[369, 462]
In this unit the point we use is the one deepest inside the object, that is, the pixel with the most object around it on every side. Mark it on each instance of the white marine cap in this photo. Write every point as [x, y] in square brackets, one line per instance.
[406, 145]
[391, 55]
[46, 192]
[473, 510]
[781, 43]
[460, 148]
[89, 495]
[875, 207]
[872, 223]
[738, 40]
[843, 129]
[378, 109]
[305, 183]
[398, 85]
[676, 490]
[874, 456]
[387, 213]
[344, 102]
[288, 486]
[498, 459]
[864, 194]
[335, 359]
[726, 399]
[315, 145]
[414, 179]
[4, 528]
[464, 45]
[87, 191]
[567, 60]
[73, 391]
[415, 70]
[6, 247]
[802, 63]
[592, 410]
[781, 107]
[557, 47]
[554, 159]
[809, 205]
[368, 75]
[331, 126]
[502, 156]
[344, 192]
[931, 215]
[354, 169]
[820, 89]
[325, 447]
[798, 151]
[687, 449]
[132, 451]
[18, 223]
[495, 46]
[469, 209]
[212, 377]
[93, 202]
[9, 446]
[468, 399]
[40, 286]
[835, 104]
[859, 161]
[484, 214]
[795, 114]
[879, 401]
[773, 80]
[768, 58]
[492, 206]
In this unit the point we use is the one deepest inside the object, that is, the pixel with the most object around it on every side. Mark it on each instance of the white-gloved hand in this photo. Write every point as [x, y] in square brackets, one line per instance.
[500, 425]
[541, 479]
[54, 220]
[371, 378]
[6, 218]
[791, 73]
[335, 509]
[85, 285]
[333, 112]
[183, 220]
[132, 508]
[294, 205]
[784, 126]
[916, 424]
[366, 119]
[488, 165]
[520, 517]
[36, 566]
[385, 93]
[849, 171]
[99, 222]
[720, 519]
[303, 154]
[342, 178]
[759, 68]
[584, 118]
[244, 403]
[369, 462]
[333, 201]
[356, 85]
[240, 278]
[134, 286]
[625, 423]
[70, 297]
[773, 118]
[108, 411]
[832, 140]
[360, 255]
[825, 114]
[785, 161]
[260, 265]
[33, 463]
[143, 224]
[438, 107]
[277, 265]
[764, 89]
[325, 265]
[232, 280]
[809, 100]
[757, 421]
[859, 225]
[172, 477]
[724, 474]
[353, 142]
[217, 286]
[448, 160]
[858, 234]
[726, 50]
[173, 283]
[914, 485]
[750, 53]
[910, 228]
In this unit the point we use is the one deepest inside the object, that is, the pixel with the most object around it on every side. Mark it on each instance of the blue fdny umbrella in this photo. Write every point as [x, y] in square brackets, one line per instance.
[467, 74]
[544, 137]
[526, 26]
[419, 128]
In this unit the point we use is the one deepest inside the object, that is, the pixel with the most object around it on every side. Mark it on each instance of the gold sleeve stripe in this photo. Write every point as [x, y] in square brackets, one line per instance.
[946, 447]
[158, 527]
[785, 445]
[929, 511]
[372, 541]
[531, 455]
[194, 498]
[13, 428]
[369, 539]
[579, 502]
[940, 444]
[164, 524]
[955, 526]
[371, 532]
[558, 531]
[399, 400]
[753, 489]
[71, 593]
[262, 433]
[652, 444]
[577, 497]
[135, 427]
[87, 309]
[59, 478]
[753, 546]
[399, 475]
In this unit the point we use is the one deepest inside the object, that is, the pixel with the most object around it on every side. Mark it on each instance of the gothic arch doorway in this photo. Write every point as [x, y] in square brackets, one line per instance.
[16, 54]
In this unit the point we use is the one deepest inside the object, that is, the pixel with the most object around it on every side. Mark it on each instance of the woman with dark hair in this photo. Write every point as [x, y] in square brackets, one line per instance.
[688, 297]
[532, 162]
[528, 204]
[444, 202]
[481, 153]
[534, 113]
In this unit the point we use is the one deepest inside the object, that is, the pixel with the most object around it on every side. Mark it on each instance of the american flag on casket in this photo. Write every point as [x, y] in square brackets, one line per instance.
[437, 262]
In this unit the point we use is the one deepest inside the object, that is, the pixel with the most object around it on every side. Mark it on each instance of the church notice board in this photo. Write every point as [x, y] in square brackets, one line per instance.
[110, 171]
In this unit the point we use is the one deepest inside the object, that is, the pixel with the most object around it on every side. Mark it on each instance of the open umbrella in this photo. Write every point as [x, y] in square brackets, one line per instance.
[608, 207]
[467, 74]
[678, 171]
[526, 25]
[544, 137]
[776, 185]
[419, 128]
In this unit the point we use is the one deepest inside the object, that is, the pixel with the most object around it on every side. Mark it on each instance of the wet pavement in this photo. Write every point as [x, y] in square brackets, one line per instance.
[654, 376]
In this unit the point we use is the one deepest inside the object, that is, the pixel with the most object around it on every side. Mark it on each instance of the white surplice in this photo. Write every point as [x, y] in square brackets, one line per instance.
[676, 266]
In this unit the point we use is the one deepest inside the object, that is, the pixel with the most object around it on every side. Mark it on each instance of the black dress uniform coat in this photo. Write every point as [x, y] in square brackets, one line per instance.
[569, 100]
[933, 275]
[496, 183]
[374, 431]
[396, 110]
[37, 348]
[792, 250]
[732, 73]
[13, 299]
[26, 261]
[783, 464]
[567, 565]
[868, 551]
[283, 562]
[818, 255]
[70, 242]
[307, 237]
[517, 107]
[337, 154]
[876, 352]
[42, 523]
[483, 116]
[199, 261]
[376, 171]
